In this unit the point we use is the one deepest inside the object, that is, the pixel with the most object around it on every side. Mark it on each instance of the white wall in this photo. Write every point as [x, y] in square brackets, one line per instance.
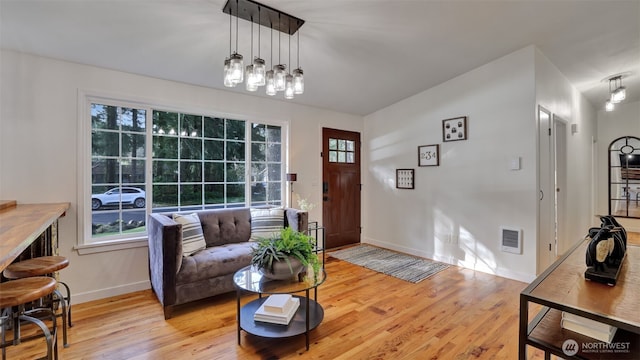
[453, 215]
[38, 141]
[556, 94]
[455, 212]
[623, 121]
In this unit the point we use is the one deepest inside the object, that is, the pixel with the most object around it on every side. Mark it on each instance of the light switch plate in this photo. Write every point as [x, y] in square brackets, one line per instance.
[514, 163]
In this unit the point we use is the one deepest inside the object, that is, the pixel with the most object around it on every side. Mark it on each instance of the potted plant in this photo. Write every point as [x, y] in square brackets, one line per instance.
[286, 255]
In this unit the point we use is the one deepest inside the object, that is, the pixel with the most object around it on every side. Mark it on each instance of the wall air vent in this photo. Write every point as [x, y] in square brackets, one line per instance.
[511, 240]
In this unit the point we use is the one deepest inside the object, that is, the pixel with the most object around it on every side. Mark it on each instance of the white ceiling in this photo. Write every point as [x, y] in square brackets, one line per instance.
[358, 55]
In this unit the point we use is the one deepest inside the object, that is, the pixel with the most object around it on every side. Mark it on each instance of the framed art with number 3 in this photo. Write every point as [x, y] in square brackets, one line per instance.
[429, 155]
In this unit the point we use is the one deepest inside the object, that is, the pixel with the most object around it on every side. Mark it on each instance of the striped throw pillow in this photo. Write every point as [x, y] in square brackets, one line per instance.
[266, 223]
[192, 237]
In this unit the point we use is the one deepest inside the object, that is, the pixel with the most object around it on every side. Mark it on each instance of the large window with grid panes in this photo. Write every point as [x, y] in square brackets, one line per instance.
[147, 160]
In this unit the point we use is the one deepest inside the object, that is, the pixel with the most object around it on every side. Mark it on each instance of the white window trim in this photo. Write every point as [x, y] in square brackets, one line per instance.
[84, 244]
[113, 245]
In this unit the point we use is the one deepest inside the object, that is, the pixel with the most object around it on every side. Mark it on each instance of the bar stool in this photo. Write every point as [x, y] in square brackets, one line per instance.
[42, 266]
[14, 295]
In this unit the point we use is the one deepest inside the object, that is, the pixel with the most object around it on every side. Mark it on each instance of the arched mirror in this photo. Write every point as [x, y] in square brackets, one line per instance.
[624, 177]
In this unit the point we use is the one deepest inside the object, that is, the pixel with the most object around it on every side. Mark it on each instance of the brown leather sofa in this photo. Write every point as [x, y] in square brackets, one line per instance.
[210, 271]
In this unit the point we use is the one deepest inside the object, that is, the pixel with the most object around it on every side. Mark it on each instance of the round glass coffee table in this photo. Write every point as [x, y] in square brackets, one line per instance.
[308, 316]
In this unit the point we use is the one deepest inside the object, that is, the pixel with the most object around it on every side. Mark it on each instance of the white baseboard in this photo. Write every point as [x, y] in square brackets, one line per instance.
[78, 298]
[451, 260]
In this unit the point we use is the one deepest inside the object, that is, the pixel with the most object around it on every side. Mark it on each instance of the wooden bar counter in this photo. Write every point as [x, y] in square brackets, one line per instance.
[22, 224]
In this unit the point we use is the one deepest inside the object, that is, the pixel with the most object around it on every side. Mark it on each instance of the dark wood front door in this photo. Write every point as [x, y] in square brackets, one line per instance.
[341, 187]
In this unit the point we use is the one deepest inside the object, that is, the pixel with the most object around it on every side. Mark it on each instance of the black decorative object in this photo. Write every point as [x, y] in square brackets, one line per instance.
[606, 251]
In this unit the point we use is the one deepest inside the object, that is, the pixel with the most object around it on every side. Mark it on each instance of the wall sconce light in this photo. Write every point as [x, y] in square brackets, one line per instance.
[291, 178]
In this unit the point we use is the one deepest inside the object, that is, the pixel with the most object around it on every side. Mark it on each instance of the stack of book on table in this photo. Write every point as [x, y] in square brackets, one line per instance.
[588, 327]
[277, 309]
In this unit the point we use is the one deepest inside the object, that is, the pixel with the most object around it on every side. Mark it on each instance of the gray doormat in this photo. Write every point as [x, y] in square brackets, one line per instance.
[406, 267]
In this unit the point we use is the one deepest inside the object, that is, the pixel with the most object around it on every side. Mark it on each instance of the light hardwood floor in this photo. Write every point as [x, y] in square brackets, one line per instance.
[456, 314]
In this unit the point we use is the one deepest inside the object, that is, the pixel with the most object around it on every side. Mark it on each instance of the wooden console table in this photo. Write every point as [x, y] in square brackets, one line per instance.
[22, 224]
[562, 287]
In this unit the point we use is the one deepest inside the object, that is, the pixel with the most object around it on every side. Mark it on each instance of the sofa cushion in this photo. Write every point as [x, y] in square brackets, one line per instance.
[223, 226]
[266, 223]
[215, 261]
[192, 237]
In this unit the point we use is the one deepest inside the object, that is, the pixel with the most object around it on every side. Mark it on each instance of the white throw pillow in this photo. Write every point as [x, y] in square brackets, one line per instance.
[266, 223]
[192, 237]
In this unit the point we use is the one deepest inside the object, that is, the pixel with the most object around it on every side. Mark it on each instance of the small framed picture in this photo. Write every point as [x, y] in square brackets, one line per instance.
[429, 155]
[454, 129]
[404, 179]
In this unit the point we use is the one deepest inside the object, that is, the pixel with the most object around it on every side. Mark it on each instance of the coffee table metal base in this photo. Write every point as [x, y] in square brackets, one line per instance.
[298, 325]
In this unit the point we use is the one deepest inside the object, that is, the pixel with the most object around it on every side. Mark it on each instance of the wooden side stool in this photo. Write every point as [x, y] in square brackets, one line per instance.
[43, 266]
[14, 295]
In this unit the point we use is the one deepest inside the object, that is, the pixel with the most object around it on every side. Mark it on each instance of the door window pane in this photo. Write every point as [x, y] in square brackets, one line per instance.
[351, 158]
[351, 145]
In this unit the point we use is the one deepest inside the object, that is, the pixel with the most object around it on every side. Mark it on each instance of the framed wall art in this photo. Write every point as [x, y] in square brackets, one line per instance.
[429, 155]
[454, 129]
[404, 179]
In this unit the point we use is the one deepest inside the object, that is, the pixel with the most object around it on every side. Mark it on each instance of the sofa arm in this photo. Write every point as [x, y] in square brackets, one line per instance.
[165, 249]
[298, 220]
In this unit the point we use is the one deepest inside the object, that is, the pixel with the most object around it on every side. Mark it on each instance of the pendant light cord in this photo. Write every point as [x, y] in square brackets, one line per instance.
[298, 48]
[289, 44]
[237, 13]
[259, 20]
